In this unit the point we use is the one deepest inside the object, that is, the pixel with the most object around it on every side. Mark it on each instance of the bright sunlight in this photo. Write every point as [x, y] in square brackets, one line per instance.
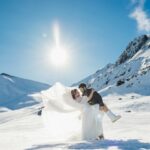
[58, 55]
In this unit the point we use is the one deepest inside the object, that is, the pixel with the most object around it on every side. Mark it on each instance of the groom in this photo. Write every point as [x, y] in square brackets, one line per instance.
[95, 98]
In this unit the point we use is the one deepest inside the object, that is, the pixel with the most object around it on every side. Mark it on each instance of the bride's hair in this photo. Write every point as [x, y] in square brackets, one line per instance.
[73, 92]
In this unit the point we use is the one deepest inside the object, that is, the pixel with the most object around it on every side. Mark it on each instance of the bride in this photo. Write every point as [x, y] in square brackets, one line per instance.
[62, 108]
[91, 117]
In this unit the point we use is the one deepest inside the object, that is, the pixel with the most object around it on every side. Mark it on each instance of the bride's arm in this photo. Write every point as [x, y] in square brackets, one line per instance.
[91, 94]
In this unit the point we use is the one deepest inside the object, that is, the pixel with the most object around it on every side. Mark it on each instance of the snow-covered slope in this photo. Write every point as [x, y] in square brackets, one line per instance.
[130, 73]
[16, 92]
[23, 129]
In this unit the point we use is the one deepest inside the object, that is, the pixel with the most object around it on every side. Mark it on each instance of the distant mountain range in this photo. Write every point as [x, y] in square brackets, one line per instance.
[130, 73]
[17, 92]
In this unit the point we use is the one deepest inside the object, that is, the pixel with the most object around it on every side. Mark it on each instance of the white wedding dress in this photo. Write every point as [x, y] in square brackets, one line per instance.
[91, 120]
[64, 118]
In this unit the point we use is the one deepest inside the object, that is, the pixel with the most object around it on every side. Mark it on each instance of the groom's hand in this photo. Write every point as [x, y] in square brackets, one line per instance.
[104, 108]
[101, 108]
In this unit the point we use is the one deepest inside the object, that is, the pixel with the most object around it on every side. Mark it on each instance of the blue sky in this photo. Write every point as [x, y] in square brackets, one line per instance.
[95, 32]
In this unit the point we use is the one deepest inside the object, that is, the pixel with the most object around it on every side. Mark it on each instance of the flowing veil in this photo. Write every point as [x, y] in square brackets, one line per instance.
[61, 114]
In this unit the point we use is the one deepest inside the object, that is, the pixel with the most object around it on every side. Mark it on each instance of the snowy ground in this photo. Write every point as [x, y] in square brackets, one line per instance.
[23, 129]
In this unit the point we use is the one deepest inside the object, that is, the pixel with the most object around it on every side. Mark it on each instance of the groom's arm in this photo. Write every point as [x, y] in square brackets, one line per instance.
[91, 94]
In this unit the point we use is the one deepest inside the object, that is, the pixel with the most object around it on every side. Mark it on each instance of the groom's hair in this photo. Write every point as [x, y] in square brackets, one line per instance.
[73, 92]
[82, 85]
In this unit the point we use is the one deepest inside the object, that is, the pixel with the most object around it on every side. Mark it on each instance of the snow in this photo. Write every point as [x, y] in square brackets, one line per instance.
[23, 129]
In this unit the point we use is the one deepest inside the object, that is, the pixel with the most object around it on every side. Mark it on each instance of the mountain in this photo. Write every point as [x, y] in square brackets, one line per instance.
[17, 92]
[129, 74]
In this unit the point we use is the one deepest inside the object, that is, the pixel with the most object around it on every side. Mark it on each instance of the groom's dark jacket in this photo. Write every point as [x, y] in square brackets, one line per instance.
[96, 98]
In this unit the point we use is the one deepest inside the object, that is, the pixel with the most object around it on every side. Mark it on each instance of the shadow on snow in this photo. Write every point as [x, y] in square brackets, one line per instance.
[133, 144]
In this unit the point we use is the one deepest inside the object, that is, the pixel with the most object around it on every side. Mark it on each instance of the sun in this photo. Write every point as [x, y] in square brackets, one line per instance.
[59, 57]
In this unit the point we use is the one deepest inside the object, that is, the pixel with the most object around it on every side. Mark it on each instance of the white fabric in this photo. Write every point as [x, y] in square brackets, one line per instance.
[61, 115]
[91, 120]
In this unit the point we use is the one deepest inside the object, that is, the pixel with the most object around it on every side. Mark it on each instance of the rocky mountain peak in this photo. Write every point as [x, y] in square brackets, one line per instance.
[132, 48]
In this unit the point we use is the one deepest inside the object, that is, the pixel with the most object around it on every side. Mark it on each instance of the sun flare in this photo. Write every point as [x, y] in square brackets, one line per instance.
[58, 55]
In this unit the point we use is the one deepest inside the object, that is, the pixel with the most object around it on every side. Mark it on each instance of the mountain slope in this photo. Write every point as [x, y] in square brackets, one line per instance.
[130, 73]
[16, 92]
[23, 129]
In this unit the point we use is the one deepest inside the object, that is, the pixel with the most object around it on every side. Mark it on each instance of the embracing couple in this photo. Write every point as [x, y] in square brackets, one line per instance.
[93, 109]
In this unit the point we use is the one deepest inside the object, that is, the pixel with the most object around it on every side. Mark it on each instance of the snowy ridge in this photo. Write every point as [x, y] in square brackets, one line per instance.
[132, 48]
[128, 74]
[16, 92]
